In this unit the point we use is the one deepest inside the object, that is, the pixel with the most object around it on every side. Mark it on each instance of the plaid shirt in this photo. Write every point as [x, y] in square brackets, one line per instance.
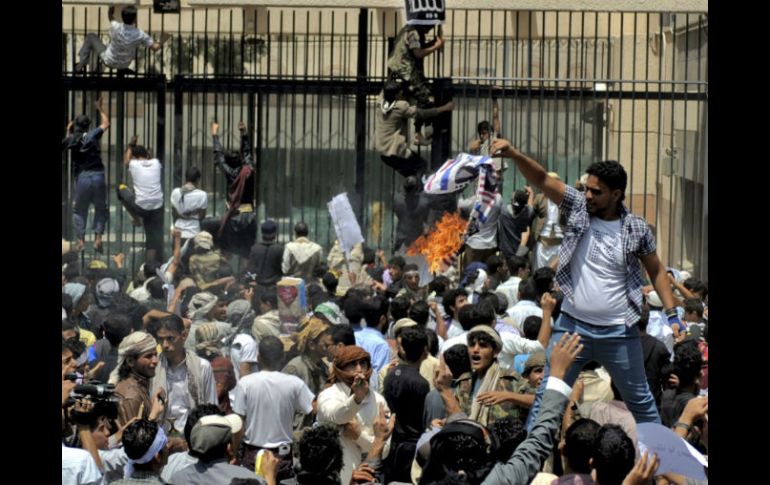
[635, 236]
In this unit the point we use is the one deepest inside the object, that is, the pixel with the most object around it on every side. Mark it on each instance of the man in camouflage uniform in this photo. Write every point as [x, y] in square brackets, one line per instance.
[406, 63]
[490, 392]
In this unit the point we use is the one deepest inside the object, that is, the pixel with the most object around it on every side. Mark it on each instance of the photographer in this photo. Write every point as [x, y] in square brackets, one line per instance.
[93, 408]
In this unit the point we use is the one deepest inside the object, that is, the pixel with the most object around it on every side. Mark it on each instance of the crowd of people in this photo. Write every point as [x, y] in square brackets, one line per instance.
[542, 356]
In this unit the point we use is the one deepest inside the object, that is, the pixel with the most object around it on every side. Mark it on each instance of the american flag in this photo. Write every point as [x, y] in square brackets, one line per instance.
[456, 174]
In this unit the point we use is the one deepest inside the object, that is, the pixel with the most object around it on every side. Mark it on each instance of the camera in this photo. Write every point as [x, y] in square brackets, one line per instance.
[103, 397]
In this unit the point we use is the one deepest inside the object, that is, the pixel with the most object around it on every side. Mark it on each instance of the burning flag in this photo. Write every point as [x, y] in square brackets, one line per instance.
[442, 244]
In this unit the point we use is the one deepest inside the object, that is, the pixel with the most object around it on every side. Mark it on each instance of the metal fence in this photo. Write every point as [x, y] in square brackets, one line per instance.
[573, 88]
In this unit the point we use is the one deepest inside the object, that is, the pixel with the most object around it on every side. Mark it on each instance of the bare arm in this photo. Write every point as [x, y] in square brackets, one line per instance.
[530, 169]
[440, 323]
[660, 281]
[421, 53]
[104, 119]
[127, 155]
[547, 303]
[495, 117]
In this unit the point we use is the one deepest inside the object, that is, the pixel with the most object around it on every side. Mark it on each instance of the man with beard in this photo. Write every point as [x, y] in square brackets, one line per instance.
[600, 274]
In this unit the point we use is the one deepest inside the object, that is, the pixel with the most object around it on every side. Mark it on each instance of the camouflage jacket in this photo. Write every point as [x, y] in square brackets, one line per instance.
[509, 381]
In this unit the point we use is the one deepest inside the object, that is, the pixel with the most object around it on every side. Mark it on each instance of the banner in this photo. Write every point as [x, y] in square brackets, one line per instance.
[425, 12]
[345, 223]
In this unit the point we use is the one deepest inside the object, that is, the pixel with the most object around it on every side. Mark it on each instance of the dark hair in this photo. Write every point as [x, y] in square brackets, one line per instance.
[71, 271]
[343, 334]
[510, 432]
[271, 353]
[155, 288]
[330, 282]
[696, 286]
[197, 413]
[151, 268]
[128, 14]
[411, 267]
[419, 312]
[64, 345]
[353, 309]
[391, 90]
[140, 151]
[461, 449]
[494, 262]
[487, 310]
[269, 295]
[374, 310]
[490, 299]
[439, 285]
[611, 173]
[579, 444]
[82, 122]
[471, 315]
[397, 261]
[411, 184]
[301, 229]
[528, 290]
[69, 325]
[449, 299]
[138, 437]
[483, 126]
[116, 327]
[319, 271]
[170, 322]
[613, 455]
[413, 342]
[482, 337]
[693, 305]
[122, 303]
[399, 307]
[531, 326]
[320, 452]
[521, 197]
[76, 347]
[192, 174]
[688, 361]
[543, 279]
[457, 359]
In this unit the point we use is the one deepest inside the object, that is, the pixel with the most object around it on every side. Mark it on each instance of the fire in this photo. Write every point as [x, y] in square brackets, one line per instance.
[442, 242]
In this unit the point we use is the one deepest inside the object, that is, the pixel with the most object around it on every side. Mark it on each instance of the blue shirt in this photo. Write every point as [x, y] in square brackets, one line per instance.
[636, 240]
[373, 342]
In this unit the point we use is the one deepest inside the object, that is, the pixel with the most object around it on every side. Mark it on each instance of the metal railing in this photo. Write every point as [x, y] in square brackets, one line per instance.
[573, 88]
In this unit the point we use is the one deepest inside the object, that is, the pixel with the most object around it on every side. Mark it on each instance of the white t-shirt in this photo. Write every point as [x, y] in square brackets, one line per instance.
[124, 41]
[194, 201]
[243, 349]
[457, 339]
[486, 237]
[147, 187]
[268, 400]
[78, 467]
[551, 227]
[521, 310]
[599, 276]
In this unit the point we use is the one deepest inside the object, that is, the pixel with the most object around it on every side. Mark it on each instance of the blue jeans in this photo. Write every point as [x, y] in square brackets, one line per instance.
[618, 349]
[90, 188]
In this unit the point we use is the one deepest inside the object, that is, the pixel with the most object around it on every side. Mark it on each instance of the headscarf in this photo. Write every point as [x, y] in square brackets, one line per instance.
[239, 312]
[200, 305]
[311, 329]
[480, 412]
[75, 291]
[204, 240]
[207, 341]
[157, 444]
[224, 376]
[345, 356]
[331, 311]
[135, 343]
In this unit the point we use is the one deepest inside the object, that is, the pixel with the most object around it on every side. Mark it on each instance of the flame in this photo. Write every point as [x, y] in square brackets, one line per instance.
[442, 242]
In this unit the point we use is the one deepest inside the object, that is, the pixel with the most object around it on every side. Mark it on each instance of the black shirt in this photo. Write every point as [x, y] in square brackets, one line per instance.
[656, 355]
[412, 212]
[84, 150]
[405, 390]
[510, 227]
[265, 260]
